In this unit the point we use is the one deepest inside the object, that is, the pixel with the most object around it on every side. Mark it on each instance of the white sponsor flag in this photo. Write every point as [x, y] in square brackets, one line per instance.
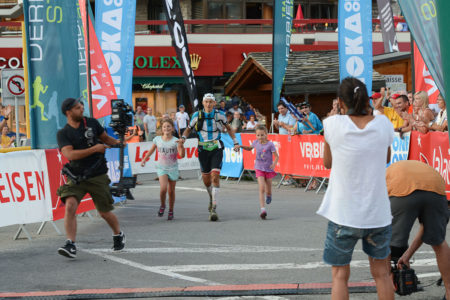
[25, 195]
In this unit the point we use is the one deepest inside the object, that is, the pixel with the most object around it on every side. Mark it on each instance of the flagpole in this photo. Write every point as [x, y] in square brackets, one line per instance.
[413, 68]
[88, 60]
[272, 109]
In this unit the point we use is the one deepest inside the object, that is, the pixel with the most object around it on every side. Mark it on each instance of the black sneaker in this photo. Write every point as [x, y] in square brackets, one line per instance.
[68, 250]
[119, 241]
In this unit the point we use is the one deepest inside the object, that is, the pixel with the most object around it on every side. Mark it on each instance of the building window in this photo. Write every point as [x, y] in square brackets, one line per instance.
[224, 9]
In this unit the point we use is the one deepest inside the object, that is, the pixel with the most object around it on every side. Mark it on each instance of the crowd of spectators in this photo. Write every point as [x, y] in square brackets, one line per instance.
[408, 111]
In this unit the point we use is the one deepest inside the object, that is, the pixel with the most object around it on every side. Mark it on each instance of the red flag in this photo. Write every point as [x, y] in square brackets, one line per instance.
[299, 16]
[423, 79]
[101, 82]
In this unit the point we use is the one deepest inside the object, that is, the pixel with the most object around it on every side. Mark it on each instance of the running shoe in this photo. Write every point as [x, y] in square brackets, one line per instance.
[170, 215]
[119, 241]
[213, 214]
[268, 199]
[161, 211]
[68, 250]
[263, 214]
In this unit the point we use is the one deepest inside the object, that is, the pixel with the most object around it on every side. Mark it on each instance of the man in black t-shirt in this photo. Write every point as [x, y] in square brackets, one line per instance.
[83, 142]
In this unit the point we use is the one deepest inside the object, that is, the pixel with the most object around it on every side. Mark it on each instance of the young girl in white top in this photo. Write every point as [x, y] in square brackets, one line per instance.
[168, 148]
[356, 202]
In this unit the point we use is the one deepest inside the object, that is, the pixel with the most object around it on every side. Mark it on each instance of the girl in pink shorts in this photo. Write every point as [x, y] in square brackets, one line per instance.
[264, 166]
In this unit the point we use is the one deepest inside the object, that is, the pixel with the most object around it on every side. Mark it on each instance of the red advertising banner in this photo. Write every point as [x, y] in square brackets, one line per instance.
[433, 149]
[299, 155]
[101, 82]
[55, 162]
[423, 79]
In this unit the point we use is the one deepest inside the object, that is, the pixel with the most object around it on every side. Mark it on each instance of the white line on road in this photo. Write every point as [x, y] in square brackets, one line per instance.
[177, 187]
[285, 266]
[224, 249]
[156, 270]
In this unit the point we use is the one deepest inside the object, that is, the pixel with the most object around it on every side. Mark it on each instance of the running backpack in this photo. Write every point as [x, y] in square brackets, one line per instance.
[201, 119]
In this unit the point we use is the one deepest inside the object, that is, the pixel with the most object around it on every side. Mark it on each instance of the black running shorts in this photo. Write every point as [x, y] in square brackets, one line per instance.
[210, 160]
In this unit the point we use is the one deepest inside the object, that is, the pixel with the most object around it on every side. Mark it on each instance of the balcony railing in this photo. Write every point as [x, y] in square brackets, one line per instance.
[202, 26]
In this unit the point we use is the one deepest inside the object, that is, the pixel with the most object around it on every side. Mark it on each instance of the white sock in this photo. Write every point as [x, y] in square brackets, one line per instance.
[215, 191]
[263, 209]
[209, 190]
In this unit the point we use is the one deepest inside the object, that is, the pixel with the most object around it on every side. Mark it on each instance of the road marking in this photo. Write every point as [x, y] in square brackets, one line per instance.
[177, 187]
[224, 249]
[151, 269]
[281, 266]
[424, 275]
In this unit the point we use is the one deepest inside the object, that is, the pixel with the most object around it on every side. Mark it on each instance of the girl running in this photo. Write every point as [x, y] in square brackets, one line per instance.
[168, 147]
[264, 166]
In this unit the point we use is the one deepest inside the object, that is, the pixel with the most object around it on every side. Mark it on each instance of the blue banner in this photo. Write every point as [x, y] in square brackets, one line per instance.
[282, 26]
[400, 147]
[421, 17]
[232, 163]
[114, 26]
[112, 161]
[53, 61]
[355, 41]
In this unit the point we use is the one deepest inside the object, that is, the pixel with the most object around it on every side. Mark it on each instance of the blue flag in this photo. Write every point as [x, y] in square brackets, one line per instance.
[114, 26]
[355, 41]
[282, 25]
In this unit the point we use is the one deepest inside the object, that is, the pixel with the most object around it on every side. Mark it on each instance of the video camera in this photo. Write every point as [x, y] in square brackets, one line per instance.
[121, 116]
[405, 280]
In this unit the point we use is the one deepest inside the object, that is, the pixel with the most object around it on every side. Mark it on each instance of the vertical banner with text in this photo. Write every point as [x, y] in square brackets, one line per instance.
[53, 60]
[355, 41]
[282, 25]
[114, 26]
[102, 86]
[387, 26]
[179, 40]
[423, 81]
[421, 17]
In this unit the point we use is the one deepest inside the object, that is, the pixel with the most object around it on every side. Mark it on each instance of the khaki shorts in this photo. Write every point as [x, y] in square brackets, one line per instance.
[97, 187]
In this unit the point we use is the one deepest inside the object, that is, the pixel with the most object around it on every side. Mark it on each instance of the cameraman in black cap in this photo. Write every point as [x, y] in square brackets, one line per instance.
[83, 142]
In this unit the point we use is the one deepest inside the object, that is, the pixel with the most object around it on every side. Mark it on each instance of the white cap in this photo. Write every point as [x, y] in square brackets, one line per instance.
[209, 96]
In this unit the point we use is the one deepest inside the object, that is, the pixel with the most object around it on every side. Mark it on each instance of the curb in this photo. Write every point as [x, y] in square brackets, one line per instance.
[193, 291]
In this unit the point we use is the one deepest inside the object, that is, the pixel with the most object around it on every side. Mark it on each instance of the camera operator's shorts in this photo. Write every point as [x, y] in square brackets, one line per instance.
[210, 160]
[97, 187]
[341, 241]
[431, 209]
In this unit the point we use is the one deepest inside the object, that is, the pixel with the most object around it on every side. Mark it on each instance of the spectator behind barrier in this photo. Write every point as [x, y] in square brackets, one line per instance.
[250, 112]
[5, 111]
[356, 201]
[334, 108]
[440, 123]
[251, 124]
[222, 106]
[285, 121]
[237, 124]
[6, 141]
[422, 115]
[235, 108]
[310, 124]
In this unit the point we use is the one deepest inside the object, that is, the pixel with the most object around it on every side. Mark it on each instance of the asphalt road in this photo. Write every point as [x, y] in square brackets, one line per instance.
[190, 250]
